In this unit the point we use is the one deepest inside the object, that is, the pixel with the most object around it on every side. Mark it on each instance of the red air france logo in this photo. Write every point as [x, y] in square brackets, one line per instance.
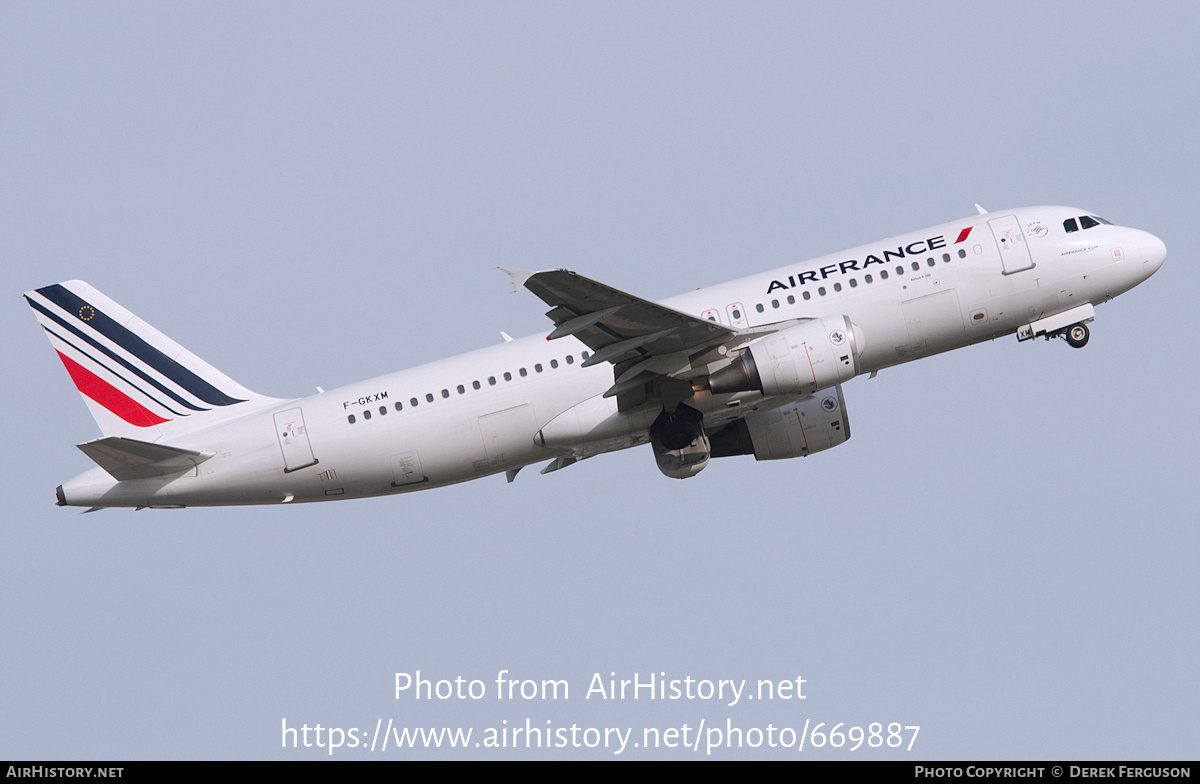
[962, 235]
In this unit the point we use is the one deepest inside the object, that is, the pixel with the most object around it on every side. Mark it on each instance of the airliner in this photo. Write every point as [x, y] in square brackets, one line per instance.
[751, 367]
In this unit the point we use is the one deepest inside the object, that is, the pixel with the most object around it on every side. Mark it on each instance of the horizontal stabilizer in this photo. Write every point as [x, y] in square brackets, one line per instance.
[128, 458]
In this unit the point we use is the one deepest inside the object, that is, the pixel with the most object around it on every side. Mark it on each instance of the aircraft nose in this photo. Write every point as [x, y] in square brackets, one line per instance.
[1154, 253]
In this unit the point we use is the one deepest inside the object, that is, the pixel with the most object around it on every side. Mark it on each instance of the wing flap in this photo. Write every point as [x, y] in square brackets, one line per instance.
[616, 325]
[128, 458]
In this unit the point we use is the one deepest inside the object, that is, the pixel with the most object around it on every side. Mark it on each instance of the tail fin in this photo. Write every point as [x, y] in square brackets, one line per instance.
[137, 382]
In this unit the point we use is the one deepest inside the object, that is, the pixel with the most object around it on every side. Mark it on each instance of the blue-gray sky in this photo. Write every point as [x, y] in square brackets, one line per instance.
[312, 194]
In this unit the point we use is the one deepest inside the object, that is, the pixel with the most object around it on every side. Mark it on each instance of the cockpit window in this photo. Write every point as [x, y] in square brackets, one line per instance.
[1085, 222]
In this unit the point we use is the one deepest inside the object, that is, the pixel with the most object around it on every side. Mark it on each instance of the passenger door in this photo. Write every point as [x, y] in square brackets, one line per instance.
[293, 440]
[1014, 251]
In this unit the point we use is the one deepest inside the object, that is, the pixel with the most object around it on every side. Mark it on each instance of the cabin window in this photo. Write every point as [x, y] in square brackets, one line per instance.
[807, 295]
[351, 419]
[883, 274]
[774, 303]
[837, 286]
[413, 402]
[537, 368]
[462, 390]
[791, 300]
[367, 414]
[585, 355]
[399, 406]
[554, 363]
[382, 410]
[899, 270]
[946, 257]
[507, 376]
[475, 385]
[869, 279]
[916, 266]
[492, 381]
[428, 397]
[759, 307]
[737, 314]
[853, 283]
[821, 291]
[523, 372]
[445, 393]
[570, 359]
[962, 254]
[930, 261]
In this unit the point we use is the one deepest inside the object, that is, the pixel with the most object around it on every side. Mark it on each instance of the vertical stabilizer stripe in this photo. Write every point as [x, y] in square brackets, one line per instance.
[128, 340]
[141, 391]
[108, 353]
[109, 396]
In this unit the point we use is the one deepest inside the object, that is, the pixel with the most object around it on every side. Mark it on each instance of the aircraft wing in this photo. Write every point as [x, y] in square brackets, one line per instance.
[643, 340]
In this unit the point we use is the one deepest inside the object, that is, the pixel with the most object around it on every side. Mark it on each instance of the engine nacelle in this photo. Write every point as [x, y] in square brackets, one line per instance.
[794, 430]
[800, 360]
[680, 445]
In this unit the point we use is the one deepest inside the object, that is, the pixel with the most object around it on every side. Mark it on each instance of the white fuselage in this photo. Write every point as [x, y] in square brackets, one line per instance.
[509, 405]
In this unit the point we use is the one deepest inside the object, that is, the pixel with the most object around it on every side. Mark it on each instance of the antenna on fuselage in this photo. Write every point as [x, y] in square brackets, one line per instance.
[981, 210]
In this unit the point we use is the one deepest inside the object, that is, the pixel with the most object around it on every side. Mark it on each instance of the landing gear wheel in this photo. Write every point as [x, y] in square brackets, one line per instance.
[1077, 336]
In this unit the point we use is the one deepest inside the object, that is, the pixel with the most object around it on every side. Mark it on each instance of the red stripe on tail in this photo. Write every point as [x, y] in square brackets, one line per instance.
[109, 396]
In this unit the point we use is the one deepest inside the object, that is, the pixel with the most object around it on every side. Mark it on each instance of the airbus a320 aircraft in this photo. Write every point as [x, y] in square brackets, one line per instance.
[755, 366]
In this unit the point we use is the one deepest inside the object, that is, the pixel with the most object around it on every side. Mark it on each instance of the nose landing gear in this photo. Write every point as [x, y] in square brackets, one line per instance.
[1070, 325]
[1076, 335]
